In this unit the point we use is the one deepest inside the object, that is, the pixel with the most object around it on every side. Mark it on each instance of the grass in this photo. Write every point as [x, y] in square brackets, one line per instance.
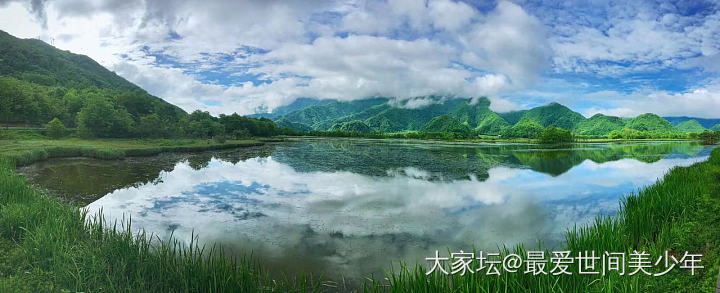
[680, 213]
[23, 152]
[49, 246]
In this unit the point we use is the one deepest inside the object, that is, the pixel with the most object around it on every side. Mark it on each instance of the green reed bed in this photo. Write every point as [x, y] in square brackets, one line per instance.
[50, 246]
[677, 214]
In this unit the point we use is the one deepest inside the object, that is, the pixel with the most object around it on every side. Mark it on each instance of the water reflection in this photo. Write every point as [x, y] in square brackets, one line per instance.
[348, 207]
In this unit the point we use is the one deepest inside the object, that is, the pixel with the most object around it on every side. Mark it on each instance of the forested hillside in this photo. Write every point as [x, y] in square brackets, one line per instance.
[383, 115]
[39, 83]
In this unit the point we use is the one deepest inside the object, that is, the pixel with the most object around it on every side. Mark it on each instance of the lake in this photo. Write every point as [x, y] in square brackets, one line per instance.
[349, 207]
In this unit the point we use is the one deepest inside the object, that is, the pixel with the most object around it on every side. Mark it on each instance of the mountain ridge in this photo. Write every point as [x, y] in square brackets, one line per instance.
[476, 115]
[39, 82]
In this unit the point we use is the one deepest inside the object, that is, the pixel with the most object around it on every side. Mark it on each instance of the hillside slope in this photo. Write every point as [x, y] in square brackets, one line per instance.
[39, 82]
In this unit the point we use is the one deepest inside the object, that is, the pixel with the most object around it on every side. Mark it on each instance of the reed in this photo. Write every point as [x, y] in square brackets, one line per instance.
[52, 246]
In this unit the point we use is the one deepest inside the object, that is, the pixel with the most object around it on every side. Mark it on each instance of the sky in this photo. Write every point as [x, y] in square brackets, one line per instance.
[252, 56]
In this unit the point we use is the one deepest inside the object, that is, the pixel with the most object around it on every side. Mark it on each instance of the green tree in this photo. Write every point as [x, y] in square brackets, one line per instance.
[525, 128]
[100, 118]
[615, 134]
[150, 126]
[55, 128]
[236, 125]
[551, 135]
[710, 137]
[200, 124]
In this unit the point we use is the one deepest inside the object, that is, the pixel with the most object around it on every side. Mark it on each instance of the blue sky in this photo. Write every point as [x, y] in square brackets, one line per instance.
[243, 56]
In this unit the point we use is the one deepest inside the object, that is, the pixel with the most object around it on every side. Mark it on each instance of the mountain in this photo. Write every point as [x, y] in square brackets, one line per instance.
[446, 123]
[690, 126]
[599, 125]
[313, 116]
[707, 123]
[39, 82]
[526, 128]
[355, 126]
[650, 123]
[387, 115]
[477, 115]
[298, 104]
[397, 119]
[716, 127]
[554, 114]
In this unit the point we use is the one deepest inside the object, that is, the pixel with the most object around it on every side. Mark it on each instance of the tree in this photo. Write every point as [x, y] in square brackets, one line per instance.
[55, 128]
[100, 118]
[200, 124]
[709, 137]
[150, 126]
[236, 125]
[615, 134]
[551, 135]
[526, 128]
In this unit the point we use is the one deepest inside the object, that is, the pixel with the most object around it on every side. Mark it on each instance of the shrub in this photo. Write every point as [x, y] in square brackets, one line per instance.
[219, 139]
[552, 135]
[709, 137]
[55, 128]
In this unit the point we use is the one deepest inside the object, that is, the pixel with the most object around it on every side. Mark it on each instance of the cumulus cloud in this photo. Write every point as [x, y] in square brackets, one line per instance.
[632, 37]
[330, 50]
[701, 102]
[241, 56]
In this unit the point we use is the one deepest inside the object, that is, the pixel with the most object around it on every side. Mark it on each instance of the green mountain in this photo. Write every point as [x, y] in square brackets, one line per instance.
[479, 117]
[298, 104]
[446, 123]
[690, 126]
[705, 122]
[355, 126]
[556, 115]
[652, 123]
[396, 119]
[315, 115]
[513, 117]
[385, 115]
[526, 128]
[599, 125]
[39, 82]
[284, 123]
[716, 127]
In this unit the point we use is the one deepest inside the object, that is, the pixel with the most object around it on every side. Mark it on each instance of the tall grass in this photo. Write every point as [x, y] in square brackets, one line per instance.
[680, 213]
[52, 246]
[70, 250]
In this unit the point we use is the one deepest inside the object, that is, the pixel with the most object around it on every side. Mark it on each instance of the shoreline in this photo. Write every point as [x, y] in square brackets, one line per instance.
[147, 263]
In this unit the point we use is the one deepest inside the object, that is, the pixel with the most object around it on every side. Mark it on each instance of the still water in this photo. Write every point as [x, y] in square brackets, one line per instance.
[348, 208]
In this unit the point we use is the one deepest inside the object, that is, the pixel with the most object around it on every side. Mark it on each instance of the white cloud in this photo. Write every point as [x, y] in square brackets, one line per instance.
[450, 15]
[646, 38]
[309, 56]
[361, 48]
[702, 102]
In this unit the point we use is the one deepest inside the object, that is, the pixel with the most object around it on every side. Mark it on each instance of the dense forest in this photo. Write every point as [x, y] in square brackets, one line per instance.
[473, 118]
[41, 84]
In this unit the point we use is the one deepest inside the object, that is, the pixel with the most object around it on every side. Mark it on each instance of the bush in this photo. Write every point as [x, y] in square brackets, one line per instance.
[553, 135]
[709, 137]
[55, 128]
[219, 139]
